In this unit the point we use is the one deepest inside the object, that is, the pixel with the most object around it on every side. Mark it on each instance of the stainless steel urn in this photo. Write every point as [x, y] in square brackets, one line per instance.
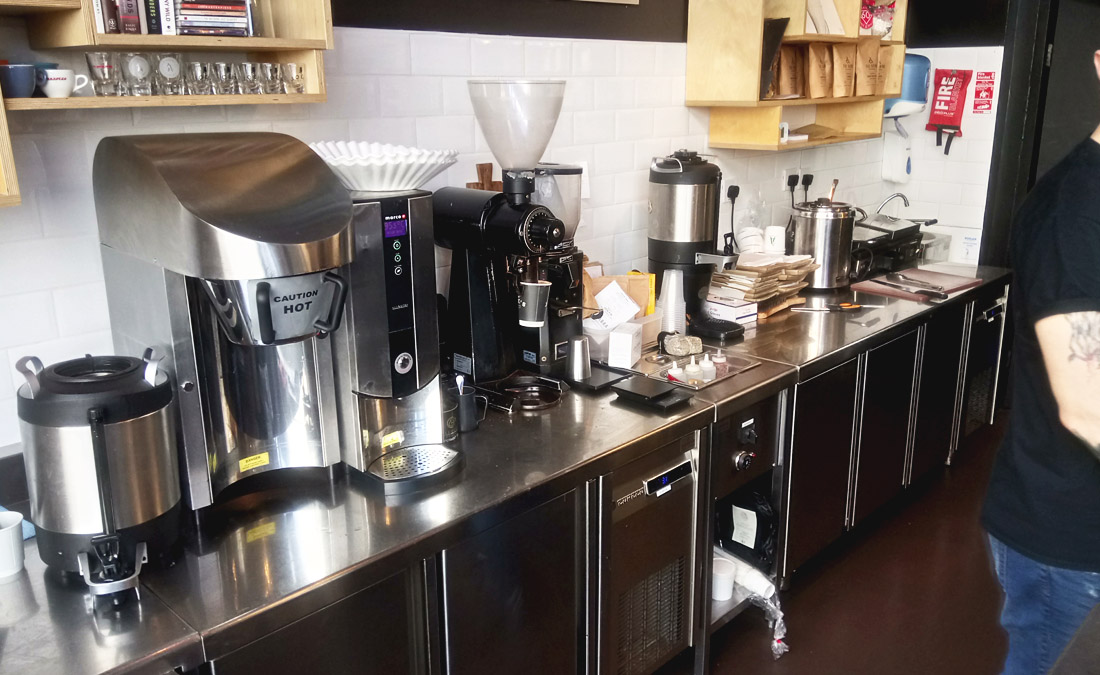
[824, 229]
[99, 440]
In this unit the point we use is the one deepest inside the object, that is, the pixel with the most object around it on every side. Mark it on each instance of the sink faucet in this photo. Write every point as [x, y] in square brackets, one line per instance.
[891, 198]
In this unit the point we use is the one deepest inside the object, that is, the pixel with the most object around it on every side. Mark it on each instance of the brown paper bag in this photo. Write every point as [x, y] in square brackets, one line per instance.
[635, 285]
[885, 61]
[819, 71]
[844, 70]
[791, 75]
[867, 66]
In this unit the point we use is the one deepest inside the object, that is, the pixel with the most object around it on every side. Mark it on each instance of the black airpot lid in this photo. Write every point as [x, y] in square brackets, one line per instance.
[114, 384]
[683, 167]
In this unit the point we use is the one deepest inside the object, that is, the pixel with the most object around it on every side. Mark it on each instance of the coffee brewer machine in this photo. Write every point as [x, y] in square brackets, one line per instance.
[386, 352]
[221, 251]
[685, 192]
[515, 291]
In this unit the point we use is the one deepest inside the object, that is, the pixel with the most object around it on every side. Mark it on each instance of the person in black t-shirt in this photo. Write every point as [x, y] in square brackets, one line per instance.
[1043, 507]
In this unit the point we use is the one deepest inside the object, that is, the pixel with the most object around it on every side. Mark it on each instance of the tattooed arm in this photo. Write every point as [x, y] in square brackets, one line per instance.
[1071, 351]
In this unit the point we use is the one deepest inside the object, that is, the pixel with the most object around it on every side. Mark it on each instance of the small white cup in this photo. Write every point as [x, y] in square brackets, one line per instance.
[723, 574]
[775, 239]
[11, 545]
[60, 83]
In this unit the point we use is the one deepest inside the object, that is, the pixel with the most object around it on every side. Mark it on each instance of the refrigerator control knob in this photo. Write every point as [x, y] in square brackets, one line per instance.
[743, 460]
[747, 435]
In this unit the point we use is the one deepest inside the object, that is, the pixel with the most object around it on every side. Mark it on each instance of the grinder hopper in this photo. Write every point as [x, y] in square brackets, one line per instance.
[517, 118]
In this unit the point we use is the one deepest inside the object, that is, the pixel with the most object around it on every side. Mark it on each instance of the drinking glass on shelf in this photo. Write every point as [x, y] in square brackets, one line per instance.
[294, 78]
[105, 72]
[138, 72]
[249, 79]
[271, 77]
[224, 78]
[197, 74]
[169, 75]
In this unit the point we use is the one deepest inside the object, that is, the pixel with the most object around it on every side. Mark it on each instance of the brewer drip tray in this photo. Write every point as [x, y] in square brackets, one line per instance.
[415, 467]
[523, 393]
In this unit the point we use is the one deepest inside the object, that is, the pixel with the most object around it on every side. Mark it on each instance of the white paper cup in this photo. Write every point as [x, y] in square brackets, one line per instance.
[11, 545]
[723, 573]
[775, 239]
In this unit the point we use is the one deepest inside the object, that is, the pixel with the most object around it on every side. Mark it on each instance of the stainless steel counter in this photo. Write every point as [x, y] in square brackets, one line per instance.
[47, 627]
[816, 341]
[261, 564]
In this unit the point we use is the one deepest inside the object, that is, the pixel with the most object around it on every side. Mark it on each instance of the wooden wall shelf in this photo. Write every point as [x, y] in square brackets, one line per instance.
[302, 29]
[18, 7]
[89, 102]
[724, 57]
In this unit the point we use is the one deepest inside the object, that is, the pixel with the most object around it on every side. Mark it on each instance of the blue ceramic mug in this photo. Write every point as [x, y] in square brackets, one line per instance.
[17, 81]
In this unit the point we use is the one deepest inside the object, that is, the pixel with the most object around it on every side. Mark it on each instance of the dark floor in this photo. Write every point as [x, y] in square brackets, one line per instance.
[912, 593]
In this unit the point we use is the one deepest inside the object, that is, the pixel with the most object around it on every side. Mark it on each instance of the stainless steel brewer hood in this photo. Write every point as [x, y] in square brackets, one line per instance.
[222, 206]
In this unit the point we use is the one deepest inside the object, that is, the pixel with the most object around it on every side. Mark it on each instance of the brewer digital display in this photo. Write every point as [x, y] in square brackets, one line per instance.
[396, 228]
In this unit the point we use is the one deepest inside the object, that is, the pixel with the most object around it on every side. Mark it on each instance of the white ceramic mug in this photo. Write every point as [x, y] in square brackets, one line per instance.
[775, 239]
[60, 83]
[11, 545]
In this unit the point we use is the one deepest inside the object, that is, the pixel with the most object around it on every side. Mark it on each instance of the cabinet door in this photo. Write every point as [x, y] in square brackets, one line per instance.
[510, 595]
[375, 632]
[884, 434]
[983, 361]
[939, 389]
[818, 470]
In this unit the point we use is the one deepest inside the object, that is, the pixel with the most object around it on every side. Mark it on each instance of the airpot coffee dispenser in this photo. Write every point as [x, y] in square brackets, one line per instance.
[221, 251]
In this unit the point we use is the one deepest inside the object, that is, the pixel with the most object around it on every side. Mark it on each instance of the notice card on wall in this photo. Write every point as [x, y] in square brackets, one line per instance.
[983, 92]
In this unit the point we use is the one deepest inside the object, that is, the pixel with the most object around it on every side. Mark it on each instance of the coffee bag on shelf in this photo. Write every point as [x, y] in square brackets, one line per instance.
[867, 66]
[844, 70]
[819, 71]
[792, 75]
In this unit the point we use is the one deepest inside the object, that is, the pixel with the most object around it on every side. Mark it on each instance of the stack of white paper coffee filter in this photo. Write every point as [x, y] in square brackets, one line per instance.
[381, 167]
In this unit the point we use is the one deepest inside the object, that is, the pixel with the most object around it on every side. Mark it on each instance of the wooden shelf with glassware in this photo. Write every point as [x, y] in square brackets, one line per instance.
[724, 74]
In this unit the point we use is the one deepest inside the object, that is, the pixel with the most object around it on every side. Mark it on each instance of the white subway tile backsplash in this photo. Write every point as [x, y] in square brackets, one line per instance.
[374, 52]
[645, 151]
[603, 191]
[671, 59]
[7, 387]
[631, 187]
[593, 127]
[563, 132]
[496, 56]
[633, 124]
[962, 216]
[348, 98]
[547, 58]
[607, 221]
[28, 318]
[270, 113]
[445, 133]
[614, 157]
[456, 96]
[671, 122]
[313, 131]
[69, 212]
[40, 264]
[440, 54]
[22, 222]
[580, 94]
[81, 309]
[411, 96]
[615, 94]
[594, 58]
[637, 58]
[395, 130]
[943, 193]
[9, 422]
[629, 246]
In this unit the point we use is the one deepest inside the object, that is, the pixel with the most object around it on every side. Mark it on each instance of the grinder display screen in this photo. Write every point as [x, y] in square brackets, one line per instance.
[396, 228]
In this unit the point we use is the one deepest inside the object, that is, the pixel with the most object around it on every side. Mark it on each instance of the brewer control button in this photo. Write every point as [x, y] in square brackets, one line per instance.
[403, 363]
[399, 270]
[397, 246]
[397, 257]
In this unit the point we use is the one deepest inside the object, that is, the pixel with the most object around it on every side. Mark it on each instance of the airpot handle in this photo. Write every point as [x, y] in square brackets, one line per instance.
[30, 367]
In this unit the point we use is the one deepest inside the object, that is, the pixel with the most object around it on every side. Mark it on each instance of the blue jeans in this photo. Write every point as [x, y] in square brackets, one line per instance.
[1043, 608]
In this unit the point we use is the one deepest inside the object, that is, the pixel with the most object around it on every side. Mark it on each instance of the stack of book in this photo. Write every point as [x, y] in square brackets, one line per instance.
[767, 280]
[213, 17]
[174, 17]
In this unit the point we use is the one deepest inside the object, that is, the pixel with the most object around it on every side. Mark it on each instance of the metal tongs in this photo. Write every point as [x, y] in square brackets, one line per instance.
[902, 278]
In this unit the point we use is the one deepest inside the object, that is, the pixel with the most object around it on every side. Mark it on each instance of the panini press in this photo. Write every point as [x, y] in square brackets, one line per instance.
[885, 244]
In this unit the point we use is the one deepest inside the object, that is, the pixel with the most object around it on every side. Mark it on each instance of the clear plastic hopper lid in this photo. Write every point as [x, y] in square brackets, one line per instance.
[517, 117]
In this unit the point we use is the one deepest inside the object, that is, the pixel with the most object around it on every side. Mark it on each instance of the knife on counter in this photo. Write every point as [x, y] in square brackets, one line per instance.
[902, 278]
[937, 295]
